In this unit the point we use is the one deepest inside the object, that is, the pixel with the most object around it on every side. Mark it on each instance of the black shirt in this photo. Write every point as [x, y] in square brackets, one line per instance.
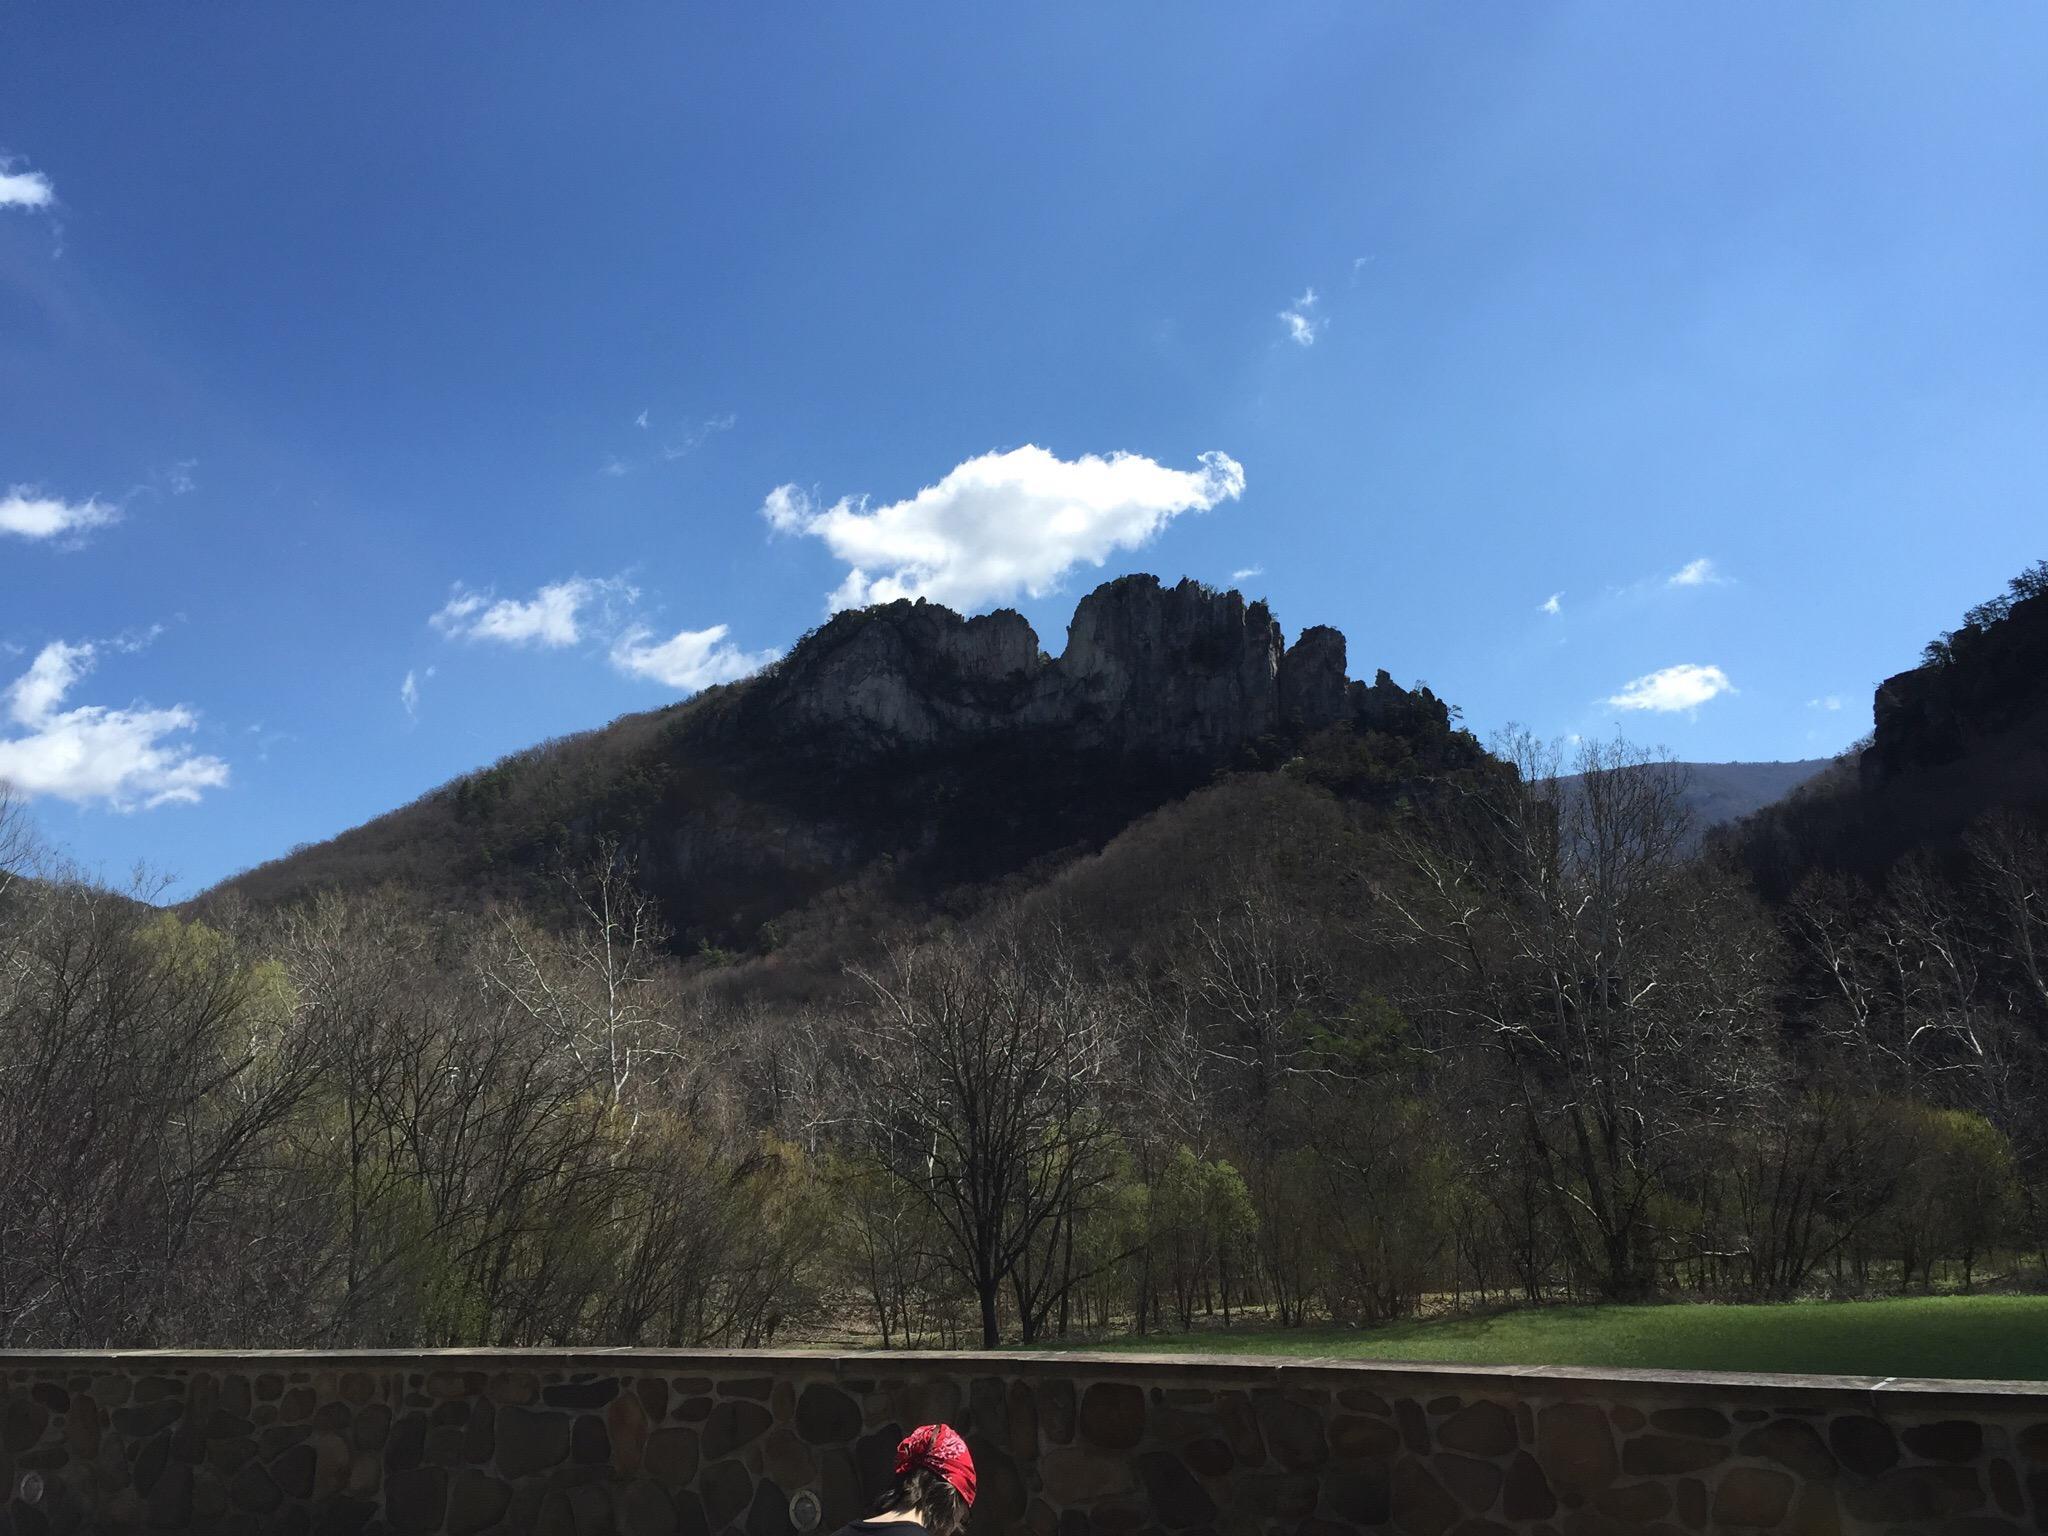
[880, 1528]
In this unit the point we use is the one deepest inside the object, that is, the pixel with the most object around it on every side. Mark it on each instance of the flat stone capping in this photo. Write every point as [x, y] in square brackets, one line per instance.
[638, 1442]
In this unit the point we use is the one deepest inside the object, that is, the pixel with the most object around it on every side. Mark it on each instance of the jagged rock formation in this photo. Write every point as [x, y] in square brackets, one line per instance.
[905, 744]
[1179, 674]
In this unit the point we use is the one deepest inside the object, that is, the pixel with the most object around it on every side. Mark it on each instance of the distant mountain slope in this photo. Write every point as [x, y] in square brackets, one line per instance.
[1723, 792]
[1719, 793]
[900, 750]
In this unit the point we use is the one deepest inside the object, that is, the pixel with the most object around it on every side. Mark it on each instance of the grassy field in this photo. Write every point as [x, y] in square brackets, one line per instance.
[1998, 1337]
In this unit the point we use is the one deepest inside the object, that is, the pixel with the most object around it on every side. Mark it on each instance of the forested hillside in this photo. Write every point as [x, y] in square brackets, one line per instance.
[901, 751]
[1343, 1019]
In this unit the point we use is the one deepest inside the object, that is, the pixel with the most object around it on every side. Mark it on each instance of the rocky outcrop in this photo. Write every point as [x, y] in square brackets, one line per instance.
[1183, 673]
[1993, 679]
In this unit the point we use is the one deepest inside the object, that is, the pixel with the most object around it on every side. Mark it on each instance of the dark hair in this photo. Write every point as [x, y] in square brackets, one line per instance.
[923, 1493]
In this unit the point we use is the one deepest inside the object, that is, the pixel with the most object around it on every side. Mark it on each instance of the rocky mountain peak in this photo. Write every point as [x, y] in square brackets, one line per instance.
[1184, 673]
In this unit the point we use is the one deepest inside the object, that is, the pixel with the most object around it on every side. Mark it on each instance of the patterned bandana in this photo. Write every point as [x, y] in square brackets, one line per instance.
[937, 1448]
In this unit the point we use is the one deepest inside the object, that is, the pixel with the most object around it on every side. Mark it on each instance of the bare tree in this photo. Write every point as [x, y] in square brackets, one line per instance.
[1625, 988]
[976, 1070]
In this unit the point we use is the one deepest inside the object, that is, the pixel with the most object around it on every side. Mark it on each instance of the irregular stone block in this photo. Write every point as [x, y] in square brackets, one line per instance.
[1792, 1443]
[1526, 1492]
[1209, 1456]
[416, 1502]
[1865, 1446]
[644, 1510]
[1362, 1495]
[731, 1425]
[581, 1394]
[1286, 1495]
[1639, 1502]
[827, 1416]
[1079, 1475]
[531, 1441]
[1752, 1496]
[1478, 1429]
[1294, 1433]
[625, 1421]
[1916, 1493]
[1665, 1455]
[671, 1458]
[1421, 1504]
[1241, 1428]
[1112, 1415]
[1055, 1410]
[1475, 1484]
[1178, 1500]
[1954, 1440]
[1577, 1450]
[1023, 1417]
[1691, 1423]
[726, 1489]
[476, 1502]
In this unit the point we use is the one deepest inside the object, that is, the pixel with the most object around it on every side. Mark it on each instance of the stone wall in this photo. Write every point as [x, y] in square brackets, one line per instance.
[1068, 1445]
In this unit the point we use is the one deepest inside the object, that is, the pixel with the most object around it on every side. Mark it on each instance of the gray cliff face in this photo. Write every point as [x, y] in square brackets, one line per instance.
[1184, 673]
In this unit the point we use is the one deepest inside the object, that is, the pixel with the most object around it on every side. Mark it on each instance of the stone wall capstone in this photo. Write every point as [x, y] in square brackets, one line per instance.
[646, 1443]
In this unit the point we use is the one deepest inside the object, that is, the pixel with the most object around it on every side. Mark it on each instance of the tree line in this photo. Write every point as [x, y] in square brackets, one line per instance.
[1274, 1056]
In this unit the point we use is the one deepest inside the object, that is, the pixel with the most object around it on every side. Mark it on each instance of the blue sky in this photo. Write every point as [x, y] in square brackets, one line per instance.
[516, 352]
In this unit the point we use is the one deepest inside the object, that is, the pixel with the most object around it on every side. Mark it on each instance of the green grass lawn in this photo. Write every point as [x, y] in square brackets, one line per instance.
[1998, 1337]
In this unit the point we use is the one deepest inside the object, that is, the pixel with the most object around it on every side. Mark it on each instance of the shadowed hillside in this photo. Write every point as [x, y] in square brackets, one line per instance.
[1960, 737]
[906, 749]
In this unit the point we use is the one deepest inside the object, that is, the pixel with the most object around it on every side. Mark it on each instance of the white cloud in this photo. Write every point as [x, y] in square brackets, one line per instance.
[1673, 689]
[1002, 524]
[119, 757]
[1829, 702]
[615, 467]
[25, 189]
[1248, 573]
[29, 515]
[179, 477]
[1697, 573]
[689, 660]
[1303, 325]
[694, 439]
[553, 617]
[640, 421]
[1553, 604]
[409, 692]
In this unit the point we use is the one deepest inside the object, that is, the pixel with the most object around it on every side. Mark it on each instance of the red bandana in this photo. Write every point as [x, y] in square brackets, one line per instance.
[937, 1448]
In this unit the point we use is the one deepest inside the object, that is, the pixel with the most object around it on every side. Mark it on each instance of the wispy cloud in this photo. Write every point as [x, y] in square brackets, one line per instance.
[615, 467]
[24, 189]
[1697, 573]
[688, 660]
[640, 421]
[1302, 322]
[1248, 573]
[1553, 604]
[28, 514]
[90, 754]
[697, 436]
[553, 617]
[409, 692]
[178, 478]
[1001, 524]
[1672, 690]
[1831, 702]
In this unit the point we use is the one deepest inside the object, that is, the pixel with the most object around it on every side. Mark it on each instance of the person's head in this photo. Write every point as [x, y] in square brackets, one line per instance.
[934, 1480]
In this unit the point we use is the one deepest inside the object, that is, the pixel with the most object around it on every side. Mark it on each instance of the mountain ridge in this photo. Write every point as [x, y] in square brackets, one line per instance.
[903, 743]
